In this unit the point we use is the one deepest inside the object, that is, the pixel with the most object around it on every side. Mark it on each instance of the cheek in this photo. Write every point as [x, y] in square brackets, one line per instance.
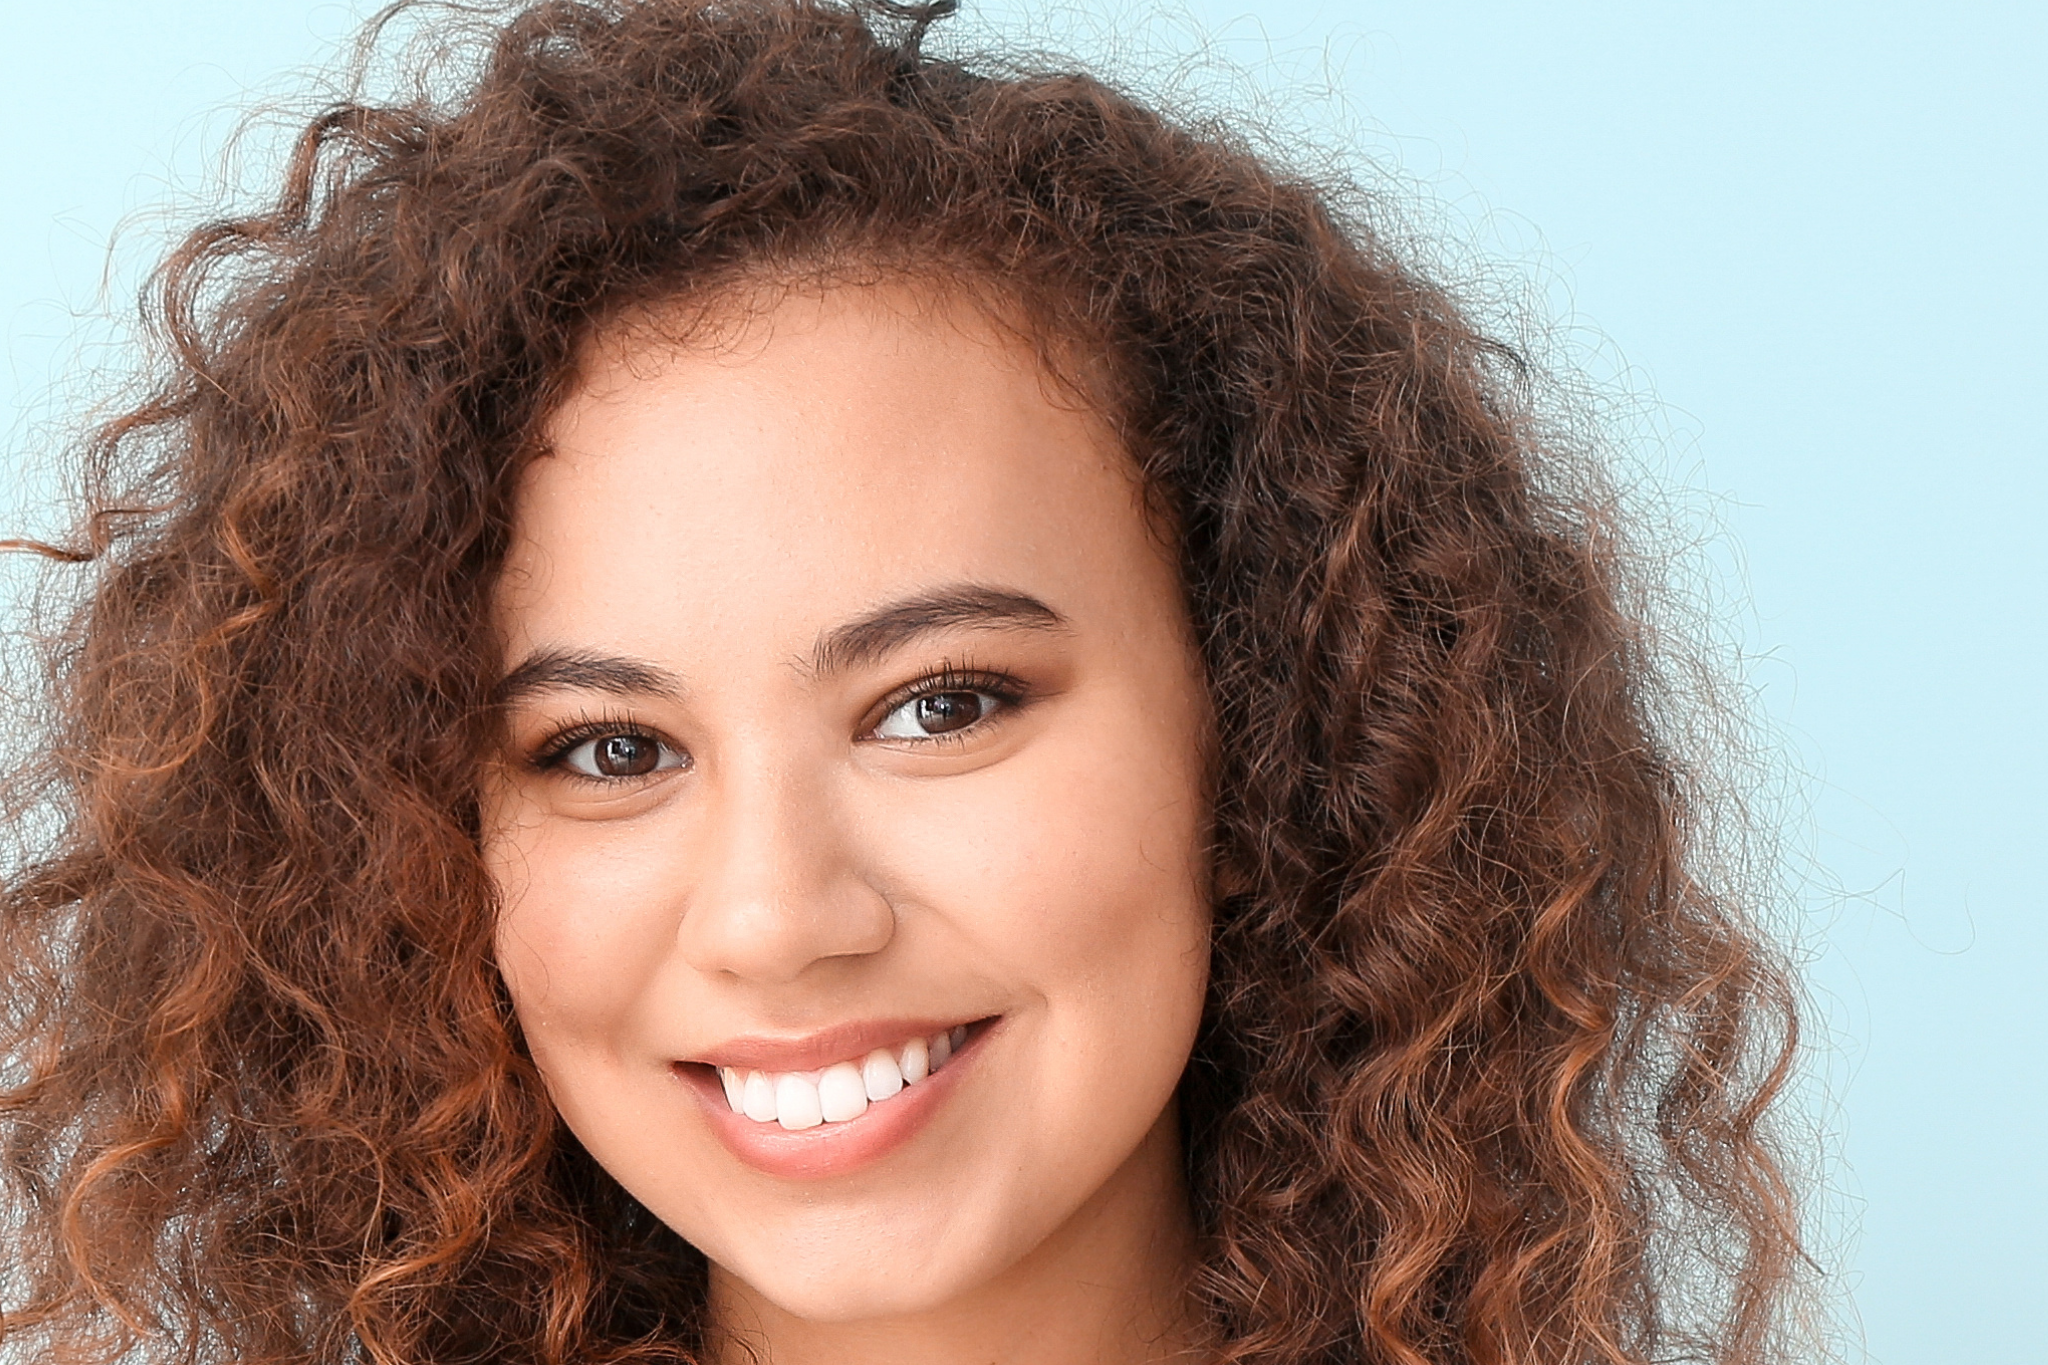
[582, 921]
[1100, 893]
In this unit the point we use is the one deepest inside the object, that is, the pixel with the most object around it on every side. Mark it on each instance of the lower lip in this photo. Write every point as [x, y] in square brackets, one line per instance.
[832, 1149]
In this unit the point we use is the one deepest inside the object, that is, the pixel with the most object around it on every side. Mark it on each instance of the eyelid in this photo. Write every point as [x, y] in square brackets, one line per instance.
[1011, 691]
[560, 742]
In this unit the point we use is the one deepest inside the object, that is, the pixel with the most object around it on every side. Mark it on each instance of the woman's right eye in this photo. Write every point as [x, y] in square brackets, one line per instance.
[622, 754]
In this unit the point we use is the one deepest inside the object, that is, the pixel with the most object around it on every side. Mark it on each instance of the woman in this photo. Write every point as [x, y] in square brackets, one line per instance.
[756, 696]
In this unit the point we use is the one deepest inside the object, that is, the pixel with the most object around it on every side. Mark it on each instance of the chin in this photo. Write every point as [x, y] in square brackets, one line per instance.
[839, 1292]
[826, 1274]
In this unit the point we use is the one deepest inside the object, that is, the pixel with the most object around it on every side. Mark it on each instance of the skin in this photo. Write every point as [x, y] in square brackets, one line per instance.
[713, 515]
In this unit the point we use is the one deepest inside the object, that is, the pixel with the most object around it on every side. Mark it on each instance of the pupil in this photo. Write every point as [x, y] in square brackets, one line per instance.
[626, 755]
[944, 711]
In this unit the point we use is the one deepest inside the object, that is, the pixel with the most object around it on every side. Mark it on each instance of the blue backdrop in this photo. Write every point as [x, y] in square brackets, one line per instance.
[1812, 233]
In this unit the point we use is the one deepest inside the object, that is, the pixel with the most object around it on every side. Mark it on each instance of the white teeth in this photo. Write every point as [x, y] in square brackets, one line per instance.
[842, 1094]
[804, 1099]
[796, 1102]
[879, 1074]
[916, 1062]
[759, 1101]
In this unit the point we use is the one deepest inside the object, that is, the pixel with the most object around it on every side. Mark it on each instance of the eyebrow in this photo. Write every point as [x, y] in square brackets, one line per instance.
[562, 670]
[863, 640]
[969, 606]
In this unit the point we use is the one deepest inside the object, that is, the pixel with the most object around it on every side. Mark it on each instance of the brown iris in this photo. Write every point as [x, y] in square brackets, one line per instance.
[941, 712]
[626, 755]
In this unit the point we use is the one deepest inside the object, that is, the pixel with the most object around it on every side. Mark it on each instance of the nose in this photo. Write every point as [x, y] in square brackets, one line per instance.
[773, 881]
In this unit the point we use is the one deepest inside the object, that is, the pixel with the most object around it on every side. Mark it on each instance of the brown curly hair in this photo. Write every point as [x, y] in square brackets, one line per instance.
[1487, 1058]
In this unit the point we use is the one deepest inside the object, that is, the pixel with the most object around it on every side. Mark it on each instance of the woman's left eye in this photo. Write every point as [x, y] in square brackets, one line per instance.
[620, 755]
[938, 713]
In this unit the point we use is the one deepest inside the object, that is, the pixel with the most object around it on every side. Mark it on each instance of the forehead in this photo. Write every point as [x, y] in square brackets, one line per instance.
[748, 478]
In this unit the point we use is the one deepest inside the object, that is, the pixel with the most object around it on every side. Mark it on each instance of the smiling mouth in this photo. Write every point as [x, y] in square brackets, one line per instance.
[844, 1090]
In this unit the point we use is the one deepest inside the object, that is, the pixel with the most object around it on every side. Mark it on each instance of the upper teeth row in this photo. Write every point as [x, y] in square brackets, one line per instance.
[842, 1091]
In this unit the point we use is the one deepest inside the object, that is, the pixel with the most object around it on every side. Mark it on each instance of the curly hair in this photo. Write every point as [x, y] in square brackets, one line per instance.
[1487, 1059]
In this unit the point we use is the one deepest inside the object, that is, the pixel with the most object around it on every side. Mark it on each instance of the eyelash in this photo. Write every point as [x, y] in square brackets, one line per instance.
[558, 746]
[1009, 691]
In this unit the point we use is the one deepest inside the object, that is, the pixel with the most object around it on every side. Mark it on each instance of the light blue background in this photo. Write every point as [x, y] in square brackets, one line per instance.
[1814, 231]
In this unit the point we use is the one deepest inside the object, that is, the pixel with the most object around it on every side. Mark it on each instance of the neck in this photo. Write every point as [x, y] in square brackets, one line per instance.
[1106, 1288]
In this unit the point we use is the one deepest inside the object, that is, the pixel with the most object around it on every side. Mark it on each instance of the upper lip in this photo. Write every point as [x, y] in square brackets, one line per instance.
[812, 1051]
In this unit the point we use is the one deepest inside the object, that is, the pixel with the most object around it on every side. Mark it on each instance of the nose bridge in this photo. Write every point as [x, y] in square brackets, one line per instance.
[774, 883]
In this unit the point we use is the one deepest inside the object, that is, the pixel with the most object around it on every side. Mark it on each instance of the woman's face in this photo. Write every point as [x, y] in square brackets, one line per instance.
[852, 717]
